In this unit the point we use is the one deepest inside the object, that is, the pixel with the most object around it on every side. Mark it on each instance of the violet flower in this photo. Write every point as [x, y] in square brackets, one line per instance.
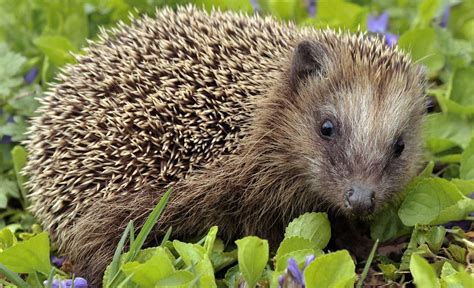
[380, 25]
[255, 5]
[57, 261]
[444, 18]
[312, 8]
[293, 273]
[78, 283]
[31, 75]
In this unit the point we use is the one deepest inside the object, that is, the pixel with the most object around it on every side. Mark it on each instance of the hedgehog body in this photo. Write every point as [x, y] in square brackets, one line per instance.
[231, 111]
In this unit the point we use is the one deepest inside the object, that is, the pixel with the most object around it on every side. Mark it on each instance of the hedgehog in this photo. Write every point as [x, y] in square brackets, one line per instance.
[251, 121]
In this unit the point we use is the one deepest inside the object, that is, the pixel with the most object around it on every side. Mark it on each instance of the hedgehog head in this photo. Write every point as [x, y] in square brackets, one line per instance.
[350, 116]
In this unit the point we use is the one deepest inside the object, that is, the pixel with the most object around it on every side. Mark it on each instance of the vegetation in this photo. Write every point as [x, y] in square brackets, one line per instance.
[425, 237]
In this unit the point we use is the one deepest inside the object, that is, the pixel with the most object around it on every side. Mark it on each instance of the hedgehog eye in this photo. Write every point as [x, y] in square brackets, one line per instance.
[398, 147]
[327, 129]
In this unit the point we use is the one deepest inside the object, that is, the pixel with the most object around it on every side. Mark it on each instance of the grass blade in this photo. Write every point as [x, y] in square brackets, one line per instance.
[114, 266]
[13, 277]
[167, 236]
[146, 229]
[50, 278]
[367, 265]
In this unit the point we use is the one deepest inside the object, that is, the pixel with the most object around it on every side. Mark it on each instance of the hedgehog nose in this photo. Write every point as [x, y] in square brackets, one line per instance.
[360, 199]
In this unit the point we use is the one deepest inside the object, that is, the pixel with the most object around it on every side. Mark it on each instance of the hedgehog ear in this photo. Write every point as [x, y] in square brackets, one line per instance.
[308, 59]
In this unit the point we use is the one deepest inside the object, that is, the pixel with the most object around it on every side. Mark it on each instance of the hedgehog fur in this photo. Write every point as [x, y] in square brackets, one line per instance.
[210, 105]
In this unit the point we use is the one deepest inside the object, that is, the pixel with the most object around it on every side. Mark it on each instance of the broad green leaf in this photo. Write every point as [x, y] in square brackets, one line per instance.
[28, 256]
[290, 245]
[293, 10]
[444, 131]
[9, 188]
[387, 225]
[253, 257]
[190, 253]
[147, 274]
[451, 278]
[465, 186]
[178, 279]
[210, 239]
[195, 256]
[10, 66]
[434, 201]
[311, 226]
[457, 252]
[340, 14]
[3, 201]
[462, 90]
[7, 239]
[299, 255]
[426, 12]
[334, 270]
[57, 48]
[467, 159]
[423, 274]
[226, 5]
[422, 45]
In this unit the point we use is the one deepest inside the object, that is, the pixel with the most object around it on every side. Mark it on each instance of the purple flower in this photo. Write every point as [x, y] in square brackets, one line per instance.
[57, 261]
[31, 75]
[312, 8]
[281, 281]
[295, 271]
[445, 17]
[294, 276]
[309, 259]
[78, 283]
[255, 5]
[391, 39]
[380, 25]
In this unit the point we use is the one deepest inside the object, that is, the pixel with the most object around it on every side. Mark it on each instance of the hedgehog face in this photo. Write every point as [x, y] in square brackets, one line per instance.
[364, 117]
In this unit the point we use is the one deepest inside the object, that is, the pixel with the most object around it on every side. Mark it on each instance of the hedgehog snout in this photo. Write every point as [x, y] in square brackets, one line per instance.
[360, 199]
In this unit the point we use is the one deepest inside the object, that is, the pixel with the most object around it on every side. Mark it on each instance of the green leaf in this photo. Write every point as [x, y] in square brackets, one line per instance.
[311, 226]
[340, 14]
[423, 274]
[19, 156]
[444, 131]
[426, 12]
[422, 45]
[331, 270]
[10, 66]
[462, 90]
[465, 186]
[7, 239]
[451, 278]
[195, 257]
[159, 266]
[210, 239]
[434, 201]
[296, 247]
[57, 48]
[178, 279]
[388, 271]
[467, 160]
[253, 257]
[29, 256]
[387, 225]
